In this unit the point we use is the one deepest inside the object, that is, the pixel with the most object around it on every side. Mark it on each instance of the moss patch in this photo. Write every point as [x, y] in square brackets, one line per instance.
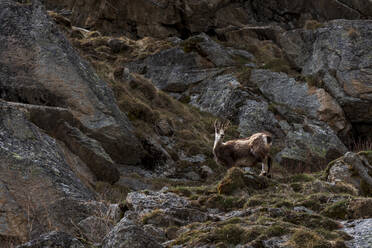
[231, 182]
[303, 238]
[337, 210]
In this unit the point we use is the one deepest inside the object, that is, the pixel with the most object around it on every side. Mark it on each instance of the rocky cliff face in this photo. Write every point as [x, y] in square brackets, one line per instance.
[107, 111]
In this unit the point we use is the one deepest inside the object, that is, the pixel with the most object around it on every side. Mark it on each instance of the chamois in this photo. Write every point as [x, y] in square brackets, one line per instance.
[242, 152]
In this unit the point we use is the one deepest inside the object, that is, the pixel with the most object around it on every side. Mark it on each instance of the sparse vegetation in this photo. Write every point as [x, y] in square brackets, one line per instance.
[304, 238]
[241, 208]
[313, 25]
[353, 33]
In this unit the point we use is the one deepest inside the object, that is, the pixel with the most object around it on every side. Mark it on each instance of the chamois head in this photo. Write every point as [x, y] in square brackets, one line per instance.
[219, 129]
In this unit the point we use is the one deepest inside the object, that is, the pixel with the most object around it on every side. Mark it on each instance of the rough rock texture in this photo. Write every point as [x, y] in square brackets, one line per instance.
[163, 209]
[35, 174]
[361, 231]
[310, 144]
[95, 228]
[225, 96]
[178, 68]
[182, 18]
[53, 239]
[305, 141]
[172, 70]
[338, 57]
[353, 169]
[298, 98]
[40, 67]
[128, 235]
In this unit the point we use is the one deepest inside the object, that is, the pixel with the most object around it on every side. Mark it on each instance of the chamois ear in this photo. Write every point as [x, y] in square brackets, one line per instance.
[226, 125]
[217, 125]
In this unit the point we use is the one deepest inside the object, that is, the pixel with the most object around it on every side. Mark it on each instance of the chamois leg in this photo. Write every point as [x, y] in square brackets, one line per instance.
[269, 162]
[266, 164]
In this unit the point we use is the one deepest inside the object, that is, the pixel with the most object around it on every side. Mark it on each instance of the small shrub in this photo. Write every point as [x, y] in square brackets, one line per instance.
[150, 216]
[111, 193]
[277, 65]
[301, 178]
[231, 182]
[226, 203]
[297, 187]
[313, 81]
[337, 210]
[313, 25]
[235, 234]
[276, 230]
[353, 33]
[303, 238]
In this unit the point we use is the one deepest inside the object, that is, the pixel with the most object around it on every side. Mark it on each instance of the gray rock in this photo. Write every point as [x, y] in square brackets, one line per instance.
[217, 54]
[338, 55]
[312, 141]
[283, 90]
[206, 170]
[115, 212]
[35, 170]
[53, 74]
[254, 116]
[276, 242]
[312, 145]
[361, 231]
[163, 208]
[303, 209]
[221, 95]
[172, 70]
[293, 99]
[126, 235]
[155, 232]
[53, 239]
[191, 175]
[149, 200]
[167, 18]
[95, 228]
[352, 169]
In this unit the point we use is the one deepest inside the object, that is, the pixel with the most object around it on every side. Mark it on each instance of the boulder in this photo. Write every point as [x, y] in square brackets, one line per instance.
[41, 68]
[353, 169]
[128, 235]
[309, 147]
[163, 209]
[53, 239]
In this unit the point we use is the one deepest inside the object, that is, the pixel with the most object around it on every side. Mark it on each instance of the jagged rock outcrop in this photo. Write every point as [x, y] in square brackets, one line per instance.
[337, 58]
[172, 70]
[291, 97]
[182, 18]
[194, 60]
[37, 184]
[40, 67]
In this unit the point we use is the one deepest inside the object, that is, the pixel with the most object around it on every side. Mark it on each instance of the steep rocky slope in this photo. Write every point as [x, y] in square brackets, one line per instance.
[106, 123]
